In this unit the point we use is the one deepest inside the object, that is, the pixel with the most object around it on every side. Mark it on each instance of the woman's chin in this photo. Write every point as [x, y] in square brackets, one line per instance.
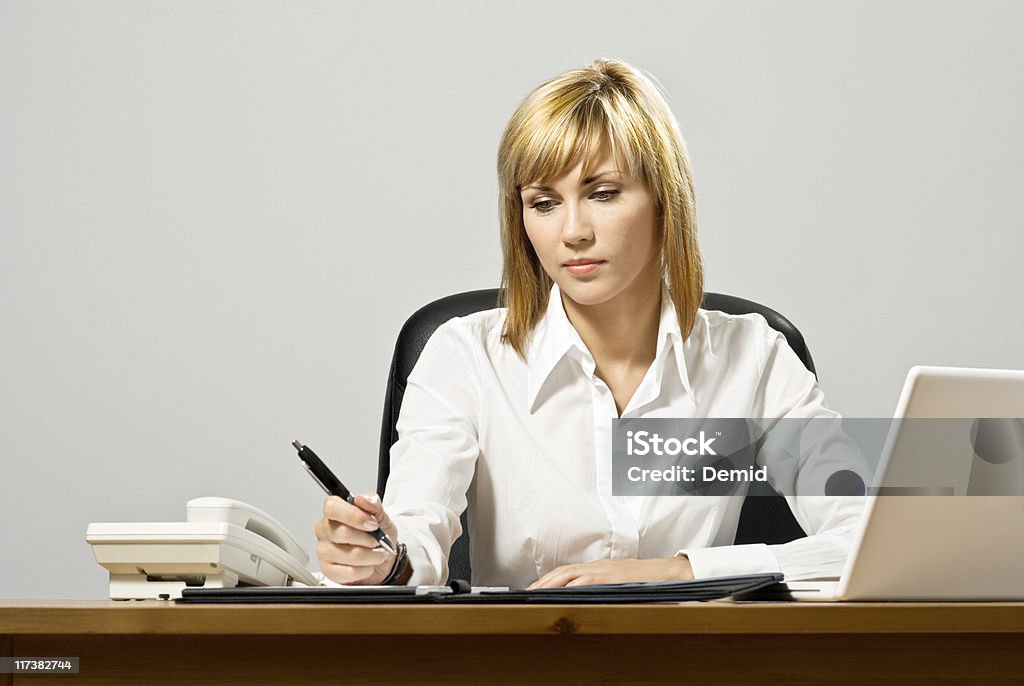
[587, 294]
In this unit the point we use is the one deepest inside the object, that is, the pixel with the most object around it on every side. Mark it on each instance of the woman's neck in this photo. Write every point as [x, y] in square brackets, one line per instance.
[623, 332]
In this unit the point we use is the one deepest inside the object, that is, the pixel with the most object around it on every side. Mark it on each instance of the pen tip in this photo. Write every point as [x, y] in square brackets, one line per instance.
[298, 446]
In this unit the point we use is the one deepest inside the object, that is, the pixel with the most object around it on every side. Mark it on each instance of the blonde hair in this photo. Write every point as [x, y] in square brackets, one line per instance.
[566, 120]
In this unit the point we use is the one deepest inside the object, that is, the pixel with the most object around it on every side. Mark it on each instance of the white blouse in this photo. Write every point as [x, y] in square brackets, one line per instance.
[527, 446]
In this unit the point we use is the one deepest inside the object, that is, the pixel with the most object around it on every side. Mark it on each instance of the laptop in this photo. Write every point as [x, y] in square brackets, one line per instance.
[927, 548]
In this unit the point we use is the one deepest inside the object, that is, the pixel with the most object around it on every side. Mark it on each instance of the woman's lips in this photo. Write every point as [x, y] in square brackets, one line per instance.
[582, 269]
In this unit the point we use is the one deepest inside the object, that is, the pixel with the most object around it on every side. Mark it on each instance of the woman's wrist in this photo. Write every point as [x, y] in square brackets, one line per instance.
[682, 569]
[401, 569]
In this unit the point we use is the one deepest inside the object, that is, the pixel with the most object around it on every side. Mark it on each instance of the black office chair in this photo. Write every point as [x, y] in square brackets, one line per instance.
[763, 519]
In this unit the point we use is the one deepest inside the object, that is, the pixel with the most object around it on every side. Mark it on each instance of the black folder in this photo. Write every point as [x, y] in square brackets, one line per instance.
[462, 592]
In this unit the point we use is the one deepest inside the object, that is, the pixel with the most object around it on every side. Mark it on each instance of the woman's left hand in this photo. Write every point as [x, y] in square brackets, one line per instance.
[617, 572]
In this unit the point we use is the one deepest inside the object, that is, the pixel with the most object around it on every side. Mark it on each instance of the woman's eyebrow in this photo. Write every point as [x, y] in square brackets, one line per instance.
[589, 179]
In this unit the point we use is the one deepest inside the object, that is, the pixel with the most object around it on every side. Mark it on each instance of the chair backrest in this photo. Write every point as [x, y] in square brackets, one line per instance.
[763, 519]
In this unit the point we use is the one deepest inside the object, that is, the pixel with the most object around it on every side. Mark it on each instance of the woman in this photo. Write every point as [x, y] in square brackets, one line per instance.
[510, 409]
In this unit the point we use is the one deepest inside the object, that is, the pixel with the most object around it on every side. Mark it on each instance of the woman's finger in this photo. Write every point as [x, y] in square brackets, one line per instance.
[345, 574]
[556, 578]
[584, 580]
[338, 510]
[352, 555]
[371, 503]
[343, 533]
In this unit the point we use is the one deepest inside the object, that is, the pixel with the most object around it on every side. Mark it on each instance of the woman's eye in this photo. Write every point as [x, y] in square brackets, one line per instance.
[545, 206]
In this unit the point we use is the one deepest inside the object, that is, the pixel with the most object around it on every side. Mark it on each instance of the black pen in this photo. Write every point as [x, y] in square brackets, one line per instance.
[333, 486]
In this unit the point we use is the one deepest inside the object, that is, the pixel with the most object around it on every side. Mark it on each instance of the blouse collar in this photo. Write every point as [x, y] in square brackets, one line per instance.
[555, 337]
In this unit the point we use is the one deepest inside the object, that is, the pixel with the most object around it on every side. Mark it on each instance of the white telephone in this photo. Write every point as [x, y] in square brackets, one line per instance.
[224, 543]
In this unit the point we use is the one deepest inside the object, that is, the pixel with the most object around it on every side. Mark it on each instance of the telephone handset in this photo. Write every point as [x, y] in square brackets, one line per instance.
[223, 543]
[248, 517]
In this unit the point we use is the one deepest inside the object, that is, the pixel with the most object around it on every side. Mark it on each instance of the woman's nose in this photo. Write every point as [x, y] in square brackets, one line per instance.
[576, 226]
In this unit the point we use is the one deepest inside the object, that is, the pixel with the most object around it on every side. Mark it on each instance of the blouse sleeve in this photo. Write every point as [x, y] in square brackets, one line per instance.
[434, 459]
[787, 390]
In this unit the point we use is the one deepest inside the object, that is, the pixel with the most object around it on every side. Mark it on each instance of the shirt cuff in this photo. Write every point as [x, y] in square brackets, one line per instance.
[424, 570]
[731, 560]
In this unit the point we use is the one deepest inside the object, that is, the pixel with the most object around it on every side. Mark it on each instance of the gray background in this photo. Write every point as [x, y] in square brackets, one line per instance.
[215, 216]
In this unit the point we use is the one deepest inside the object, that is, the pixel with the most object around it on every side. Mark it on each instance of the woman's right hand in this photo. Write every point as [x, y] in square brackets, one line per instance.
[347, 552]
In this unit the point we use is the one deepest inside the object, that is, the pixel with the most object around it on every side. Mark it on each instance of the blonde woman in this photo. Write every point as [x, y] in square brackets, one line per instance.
[509, 410]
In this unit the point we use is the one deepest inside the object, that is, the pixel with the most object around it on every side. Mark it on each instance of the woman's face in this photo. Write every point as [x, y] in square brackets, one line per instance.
[595, 237]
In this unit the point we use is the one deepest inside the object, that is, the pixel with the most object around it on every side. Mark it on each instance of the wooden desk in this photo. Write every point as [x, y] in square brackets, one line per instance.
[700, 643]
